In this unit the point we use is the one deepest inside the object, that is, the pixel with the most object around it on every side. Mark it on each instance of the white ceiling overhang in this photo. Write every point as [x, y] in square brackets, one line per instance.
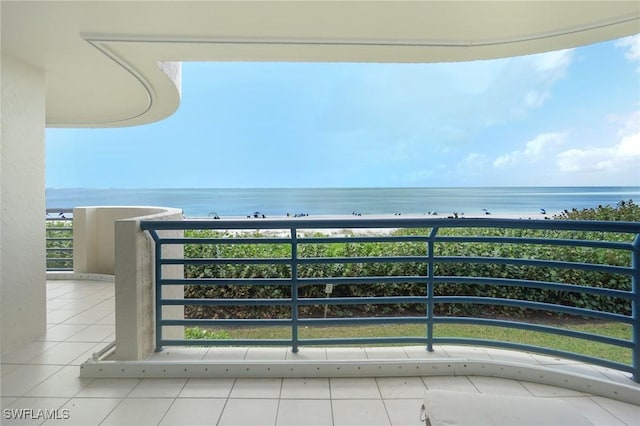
[113, 63]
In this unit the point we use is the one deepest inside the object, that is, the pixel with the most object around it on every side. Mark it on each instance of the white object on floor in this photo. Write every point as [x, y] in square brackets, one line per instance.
[453, 408]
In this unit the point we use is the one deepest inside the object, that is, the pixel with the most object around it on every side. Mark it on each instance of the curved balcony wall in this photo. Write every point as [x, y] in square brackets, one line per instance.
[108, 240]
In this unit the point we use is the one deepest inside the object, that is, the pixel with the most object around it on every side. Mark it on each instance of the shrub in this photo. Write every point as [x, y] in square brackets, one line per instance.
[623, 211]
[59, 234]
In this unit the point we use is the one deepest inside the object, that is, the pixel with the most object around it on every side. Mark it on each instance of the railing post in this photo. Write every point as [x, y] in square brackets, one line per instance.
[430, 285]
[294, 290]
[157, 280]
[635, 309]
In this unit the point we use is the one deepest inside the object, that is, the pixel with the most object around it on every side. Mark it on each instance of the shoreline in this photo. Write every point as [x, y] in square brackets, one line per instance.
[501, 215]
[357, 230]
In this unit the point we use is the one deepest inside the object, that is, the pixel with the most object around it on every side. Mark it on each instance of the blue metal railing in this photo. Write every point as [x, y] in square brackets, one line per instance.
[59, 239]
[618, 237]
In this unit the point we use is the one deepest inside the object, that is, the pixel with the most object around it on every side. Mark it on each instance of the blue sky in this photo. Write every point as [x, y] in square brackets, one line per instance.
[565, 118]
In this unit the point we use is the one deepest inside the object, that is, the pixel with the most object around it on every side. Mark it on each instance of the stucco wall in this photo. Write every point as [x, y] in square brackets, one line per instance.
[135, 286]
[94, 235]
[22, 204]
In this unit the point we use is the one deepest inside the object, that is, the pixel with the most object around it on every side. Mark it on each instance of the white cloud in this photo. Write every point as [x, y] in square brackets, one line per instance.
[623, 157]
[547, 68]
[535, 99]
[632, 44]
[533, 150]
[613, 162]
[505, 161]
[630, 123]
[553, 65]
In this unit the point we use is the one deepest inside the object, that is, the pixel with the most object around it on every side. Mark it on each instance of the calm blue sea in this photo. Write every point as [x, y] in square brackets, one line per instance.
[345, 201]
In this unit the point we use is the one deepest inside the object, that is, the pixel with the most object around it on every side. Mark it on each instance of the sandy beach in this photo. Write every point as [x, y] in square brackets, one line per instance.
[364, 231]
[501, 215]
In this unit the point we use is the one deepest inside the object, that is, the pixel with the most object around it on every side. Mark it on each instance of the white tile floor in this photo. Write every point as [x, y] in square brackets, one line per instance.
[44, 374]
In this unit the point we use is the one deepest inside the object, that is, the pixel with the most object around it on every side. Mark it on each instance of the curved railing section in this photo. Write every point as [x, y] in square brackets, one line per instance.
[59, 239]
[464, 272]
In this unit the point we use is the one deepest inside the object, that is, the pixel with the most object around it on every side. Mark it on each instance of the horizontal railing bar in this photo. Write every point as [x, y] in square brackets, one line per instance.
[576, 288]
[390, 239]
[287, 240]
[287, 281]
[226, 302]
[64, 249]
[329, 301]
[348, 260]
[305, 301]
[228, 241]
[363, 280]
[403, 279]
[227, 342]
[302, 321]
[400, 279]
[535, 305]
[359, 341]
[227, 261]
[615, 245]
[367, 239]
[225, 322]
[518, 325]
[226, 281]
[287, 260]
[595, 225]
[535, 262]
[59, 259]
[59, 239]
[362, 320]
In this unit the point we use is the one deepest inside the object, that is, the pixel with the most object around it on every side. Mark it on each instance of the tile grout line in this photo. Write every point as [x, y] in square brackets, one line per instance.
[473, 384]
[112, 410]
[174, 400]
[593, 399]
[333, 418]
[384, 404]
[40, 382]
[226, 401]
[275, 421]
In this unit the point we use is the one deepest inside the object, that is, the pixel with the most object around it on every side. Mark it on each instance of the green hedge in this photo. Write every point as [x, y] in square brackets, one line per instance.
[56, 258]
[623, 211]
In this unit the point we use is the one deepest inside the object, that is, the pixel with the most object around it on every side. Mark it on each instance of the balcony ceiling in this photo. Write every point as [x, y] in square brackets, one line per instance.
[101, 57]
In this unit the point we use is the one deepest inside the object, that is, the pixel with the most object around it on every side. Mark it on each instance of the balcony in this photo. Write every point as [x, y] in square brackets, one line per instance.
[253, 383]
[44, 375]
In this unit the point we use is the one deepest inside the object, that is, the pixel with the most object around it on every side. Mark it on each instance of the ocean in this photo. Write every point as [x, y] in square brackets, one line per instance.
[346, 201]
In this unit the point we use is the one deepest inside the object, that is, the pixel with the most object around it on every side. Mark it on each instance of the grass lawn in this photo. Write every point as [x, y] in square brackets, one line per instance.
[580, 346]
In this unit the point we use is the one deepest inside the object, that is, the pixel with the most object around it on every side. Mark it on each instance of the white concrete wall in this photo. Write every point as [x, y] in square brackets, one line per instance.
[134, 278]
[22, 204]
[94, 246]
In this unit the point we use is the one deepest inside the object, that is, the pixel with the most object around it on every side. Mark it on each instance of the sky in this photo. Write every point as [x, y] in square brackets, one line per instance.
[564, 118]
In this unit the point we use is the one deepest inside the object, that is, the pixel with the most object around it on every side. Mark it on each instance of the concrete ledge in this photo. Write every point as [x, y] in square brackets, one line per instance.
[97, 368]
[79, 276]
